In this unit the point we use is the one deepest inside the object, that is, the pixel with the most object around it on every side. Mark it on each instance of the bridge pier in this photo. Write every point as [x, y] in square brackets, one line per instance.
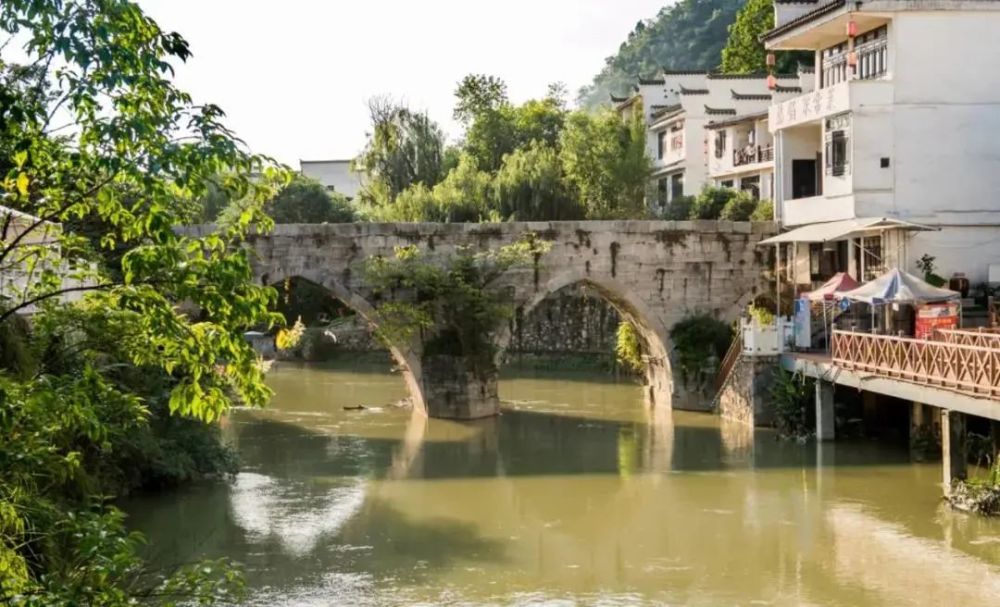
[954, 461]
[824, 410]
[456, 388]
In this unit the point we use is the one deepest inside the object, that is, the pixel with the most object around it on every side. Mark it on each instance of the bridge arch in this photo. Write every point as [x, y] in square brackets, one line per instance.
[655, 335]
[407, 361]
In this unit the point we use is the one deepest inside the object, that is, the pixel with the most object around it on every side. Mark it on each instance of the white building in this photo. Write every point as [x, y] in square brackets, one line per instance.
[335, 175]
[899, 134]
[700, 126]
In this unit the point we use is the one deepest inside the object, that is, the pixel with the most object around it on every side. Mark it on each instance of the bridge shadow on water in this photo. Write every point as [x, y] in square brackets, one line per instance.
[539, 443]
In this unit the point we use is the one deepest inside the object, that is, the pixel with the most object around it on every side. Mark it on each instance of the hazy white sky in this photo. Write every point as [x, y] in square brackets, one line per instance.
[293, 75]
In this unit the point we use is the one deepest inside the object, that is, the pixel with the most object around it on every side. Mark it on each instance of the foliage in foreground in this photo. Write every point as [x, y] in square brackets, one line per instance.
[453, 305]
[101, 157]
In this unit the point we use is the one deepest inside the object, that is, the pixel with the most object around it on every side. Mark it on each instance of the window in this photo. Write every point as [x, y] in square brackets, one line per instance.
[661, 192]
[833, 65]
[676, 186]
[871, 53]
[837, 149]
[728, 183]
[661, 144]
[751, 185]
[720, 143]
[871, 50]
[871, 249]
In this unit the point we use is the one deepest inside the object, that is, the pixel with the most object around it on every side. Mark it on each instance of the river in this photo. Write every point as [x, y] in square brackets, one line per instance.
[576, 495]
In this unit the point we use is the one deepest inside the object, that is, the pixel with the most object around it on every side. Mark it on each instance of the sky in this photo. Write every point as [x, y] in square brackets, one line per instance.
[293, 76]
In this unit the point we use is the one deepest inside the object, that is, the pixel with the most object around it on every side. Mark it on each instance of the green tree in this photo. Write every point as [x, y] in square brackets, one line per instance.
[307, 201]
[604, 159]
[404, 148]
[530, 186]
[744, 51]
[95, 129]
[494, 127]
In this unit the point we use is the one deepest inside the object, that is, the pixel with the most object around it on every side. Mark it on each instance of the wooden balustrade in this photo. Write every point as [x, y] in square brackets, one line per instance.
[980, 337]
[972, 369]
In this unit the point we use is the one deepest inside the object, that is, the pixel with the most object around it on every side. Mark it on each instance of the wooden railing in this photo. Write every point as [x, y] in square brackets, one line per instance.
[982, 337]
[955, 366]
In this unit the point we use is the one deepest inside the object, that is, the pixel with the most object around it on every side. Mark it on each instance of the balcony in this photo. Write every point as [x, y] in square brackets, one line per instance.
[753, 154]
[848, 96]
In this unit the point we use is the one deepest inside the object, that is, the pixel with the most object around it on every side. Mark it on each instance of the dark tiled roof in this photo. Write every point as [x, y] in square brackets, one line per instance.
[652, 81]
[750, 96]
[787, 89]
[711, 111]
[750, 76]
[660, 111]
[796, 1]
[617, 99]
[819, 11]
[715, 124]
[687, 91]
[670, 72]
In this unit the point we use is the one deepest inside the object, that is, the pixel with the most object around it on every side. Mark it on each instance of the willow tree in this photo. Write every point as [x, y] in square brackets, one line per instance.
[94, 132]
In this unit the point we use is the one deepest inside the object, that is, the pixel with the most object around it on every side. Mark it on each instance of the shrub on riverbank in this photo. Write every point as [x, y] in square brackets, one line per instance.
[790, 397]
[701, 343]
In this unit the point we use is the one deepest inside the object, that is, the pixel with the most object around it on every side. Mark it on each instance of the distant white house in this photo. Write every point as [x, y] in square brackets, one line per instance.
[335, 175]
[701, 127]
[898, 132]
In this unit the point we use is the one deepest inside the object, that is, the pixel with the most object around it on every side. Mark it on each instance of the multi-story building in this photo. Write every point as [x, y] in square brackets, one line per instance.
[894, 153]
[334, 175]
[705, 128]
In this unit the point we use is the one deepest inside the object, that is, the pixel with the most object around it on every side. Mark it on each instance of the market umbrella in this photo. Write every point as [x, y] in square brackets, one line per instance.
[899, 287]
[831, 290]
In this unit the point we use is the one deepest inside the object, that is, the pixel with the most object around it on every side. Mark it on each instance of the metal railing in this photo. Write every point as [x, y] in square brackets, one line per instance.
[729, 361]
[753, 154]
[971, 369]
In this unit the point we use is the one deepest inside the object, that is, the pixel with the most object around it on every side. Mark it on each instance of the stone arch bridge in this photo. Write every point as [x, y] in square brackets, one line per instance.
[654, 272]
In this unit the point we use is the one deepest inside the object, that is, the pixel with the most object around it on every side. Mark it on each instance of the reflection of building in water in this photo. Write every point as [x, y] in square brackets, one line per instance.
[275, 509]
[882, 557]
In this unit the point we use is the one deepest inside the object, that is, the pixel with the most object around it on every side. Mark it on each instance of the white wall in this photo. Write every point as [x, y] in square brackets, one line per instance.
[334, 174]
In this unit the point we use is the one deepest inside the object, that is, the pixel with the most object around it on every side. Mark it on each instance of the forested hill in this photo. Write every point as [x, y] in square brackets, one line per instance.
[689, 34]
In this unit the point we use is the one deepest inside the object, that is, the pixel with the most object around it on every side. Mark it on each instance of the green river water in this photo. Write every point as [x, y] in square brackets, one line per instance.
[576, 495]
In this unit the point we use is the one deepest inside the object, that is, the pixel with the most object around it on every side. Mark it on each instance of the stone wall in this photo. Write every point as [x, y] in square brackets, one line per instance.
[745, 397]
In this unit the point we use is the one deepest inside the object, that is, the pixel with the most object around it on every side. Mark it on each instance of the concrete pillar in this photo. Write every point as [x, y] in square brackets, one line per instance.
[824, 410]
[923, 443]
[953, 453]
[457, 388]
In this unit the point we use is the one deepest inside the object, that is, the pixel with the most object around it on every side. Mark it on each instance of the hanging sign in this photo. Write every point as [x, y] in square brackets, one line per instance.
[935, 316]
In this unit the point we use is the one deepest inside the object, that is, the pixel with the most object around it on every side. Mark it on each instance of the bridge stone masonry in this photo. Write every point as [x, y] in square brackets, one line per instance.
[654, 272]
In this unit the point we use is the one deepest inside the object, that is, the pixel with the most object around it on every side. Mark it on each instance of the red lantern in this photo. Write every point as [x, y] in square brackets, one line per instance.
[852, 28]
[770, 60]
[772, 82]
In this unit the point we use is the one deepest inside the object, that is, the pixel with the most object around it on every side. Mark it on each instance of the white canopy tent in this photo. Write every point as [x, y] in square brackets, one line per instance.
[845, 229]
[899, 287]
